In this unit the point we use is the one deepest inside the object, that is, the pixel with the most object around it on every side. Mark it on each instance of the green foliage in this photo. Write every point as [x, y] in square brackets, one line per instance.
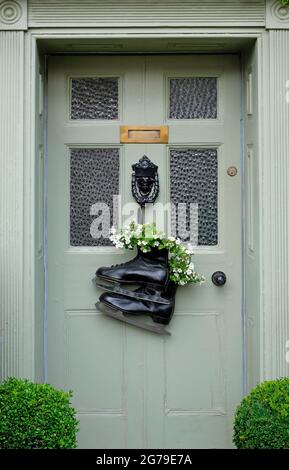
[284, 2]
[35, 416]
[146, 237]
[262, 418]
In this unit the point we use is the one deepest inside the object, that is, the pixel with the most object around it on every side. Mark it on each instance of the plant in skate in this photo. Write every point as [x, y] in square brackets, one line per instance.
[161, 265]
[146, 237]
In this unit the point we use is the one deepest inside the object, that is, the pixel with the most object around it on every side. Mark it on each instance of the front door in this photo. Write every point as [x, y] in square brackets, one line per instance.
[133, 388]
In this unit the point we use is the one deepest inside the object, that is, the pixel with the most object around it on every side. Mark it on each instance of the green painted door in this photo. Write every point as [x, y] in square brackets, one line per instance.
[133, 388]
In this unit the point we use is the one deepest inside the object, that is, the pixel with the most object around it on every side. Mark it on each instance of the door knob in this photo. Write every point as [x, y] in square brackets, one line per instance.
[219, 278]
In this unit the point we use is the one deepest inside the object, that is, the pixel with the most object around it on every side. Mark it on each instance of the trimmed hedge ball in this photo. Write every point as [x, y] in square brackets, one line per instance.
[36, 416]
[262, 418]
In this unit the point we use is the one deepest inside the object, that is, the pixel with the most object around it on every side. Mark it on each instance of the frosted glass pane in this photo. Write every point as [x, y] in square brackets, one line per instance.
[94, 98]
[194, 180]
[193, 98]
[94, 178]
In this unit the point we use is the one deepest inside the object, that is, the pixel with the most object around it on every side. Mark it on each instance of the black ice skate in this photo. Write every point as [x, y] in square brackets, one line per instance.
[126, 309]
[148, 270]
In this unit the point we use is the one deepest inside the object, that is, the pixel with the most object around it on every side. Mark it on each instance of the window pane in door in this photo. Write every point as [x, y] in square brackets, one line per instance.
[193, 98]
[94, 98]
[94, 180]
[194, 193]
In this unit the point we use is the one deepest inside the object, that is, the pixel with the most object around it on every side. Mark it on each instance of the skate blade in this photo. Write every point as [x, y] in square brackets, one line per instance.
[111, 286]
[118, 315]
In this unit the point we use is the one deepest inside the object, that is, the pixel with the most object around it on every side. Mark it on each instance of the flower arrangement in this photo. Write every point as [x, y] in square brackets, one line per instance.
[146, 237]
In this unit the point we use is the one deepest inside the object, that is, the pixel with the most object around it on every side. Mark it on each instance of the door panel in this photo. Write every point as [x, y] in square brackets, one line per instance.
[131, 387]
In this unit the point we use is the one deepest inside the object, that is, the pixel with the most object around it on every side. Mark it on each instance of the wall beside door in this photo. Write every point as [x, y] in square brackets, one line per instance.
[11, 202]
[251, 175]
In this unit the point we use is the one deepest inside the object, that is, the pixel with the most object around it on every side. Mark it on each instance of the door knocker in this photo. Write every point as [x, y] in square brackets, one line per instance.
[145, 181]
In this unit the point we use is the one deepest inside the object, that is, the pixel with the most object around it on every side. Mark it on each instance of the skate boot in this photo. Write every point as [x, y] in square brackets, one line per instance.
[126, 309]
[148, 270]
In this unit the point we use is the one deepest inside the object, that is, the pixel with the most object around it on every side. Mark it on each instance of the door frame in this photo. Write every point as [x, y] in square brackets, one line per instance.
[255, 366]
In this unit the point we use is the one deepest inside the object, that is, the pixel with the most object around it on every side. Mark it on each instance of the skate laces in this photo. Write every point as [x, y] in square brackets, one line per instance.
[121, 264]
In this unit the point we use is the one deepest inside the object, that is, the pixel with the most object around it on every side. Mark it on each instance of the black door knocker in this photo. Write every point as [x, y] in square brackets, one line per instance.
[145, 181]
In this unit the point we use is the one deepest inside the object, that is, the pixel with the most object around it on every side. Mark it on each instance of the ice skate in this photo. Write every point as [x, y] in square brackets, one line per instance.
[128, 309]
[149, 270]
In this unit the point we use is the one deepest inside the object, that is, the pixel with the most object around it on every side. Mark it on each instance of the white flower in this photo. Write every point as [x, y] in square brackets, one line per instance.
[171, 239]
[119, 245]
[114, 239]
[113, 230]
[190, 249]
[138, 230]
[178, 241]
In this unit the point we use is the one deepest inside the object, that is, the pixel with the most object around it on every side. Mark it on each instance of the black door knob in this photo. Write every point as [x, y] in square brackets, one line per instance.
[219, 278]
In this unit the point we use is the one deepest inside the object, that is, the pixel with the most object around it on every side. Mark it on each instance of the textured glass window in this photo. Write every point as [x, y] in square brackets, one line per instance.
[194, 180]
[193, 98]
[94, 179]
[94, 98]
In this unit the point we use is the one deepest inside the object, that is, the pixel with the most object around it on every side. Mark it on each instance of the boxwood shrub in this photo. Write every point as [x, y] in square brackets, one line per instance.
[262, 418]
[36, 416]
